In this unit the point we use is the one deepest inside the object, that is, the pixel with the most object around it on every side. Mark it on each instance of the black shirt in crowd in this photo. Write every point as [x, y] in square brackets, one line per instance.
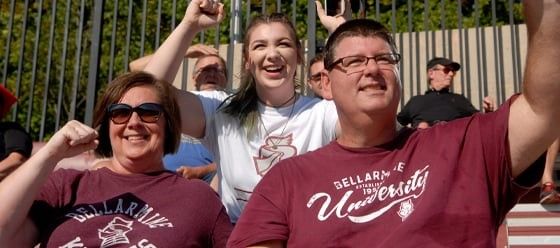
[435, 106]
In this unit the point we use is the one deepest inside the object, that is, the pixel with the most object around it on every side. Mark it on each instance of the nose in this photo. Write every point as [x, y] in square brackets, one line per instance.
[371, 67]
[134, 119]
[272, 53]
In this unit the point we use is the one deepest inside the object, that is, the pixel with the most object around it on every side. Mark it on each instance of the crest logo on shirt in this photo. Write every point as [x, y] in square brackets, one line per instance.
[407, 207]
[275, 149]
[115, 232]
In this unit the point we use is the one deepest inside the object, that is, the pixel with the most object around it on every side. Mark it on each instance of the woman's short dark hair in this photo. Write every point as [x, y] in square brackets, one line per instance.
[115, 91]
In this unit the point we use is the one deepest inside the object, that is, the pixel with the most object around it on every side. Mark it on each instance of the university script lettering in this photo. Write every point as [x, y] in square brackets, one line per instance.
[387, 195]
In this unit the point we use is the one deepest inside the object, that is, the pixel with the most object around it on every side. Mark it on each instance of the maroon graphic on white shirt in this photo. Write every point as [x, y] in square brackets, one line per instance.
[275, 149]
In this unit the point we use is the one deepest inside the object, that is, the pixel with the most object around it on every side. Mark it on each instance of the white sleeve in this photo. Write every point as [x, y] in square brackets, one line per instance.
[330, 119]
[211, 101]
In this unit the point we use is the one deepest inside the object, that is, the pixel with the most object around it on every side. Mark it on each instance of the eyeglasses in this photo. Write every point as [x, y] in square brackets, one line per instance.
[357, 63]
[315, 77]
[120, 113]
[445, 70]
[210, 69]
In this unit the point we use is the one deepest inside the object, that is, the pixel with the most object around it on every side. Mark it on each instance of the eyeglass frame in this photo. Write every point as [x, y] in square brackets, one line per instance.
[211, 69]
[445, 69]
[141, 110]
[362, 66]
[315, 77]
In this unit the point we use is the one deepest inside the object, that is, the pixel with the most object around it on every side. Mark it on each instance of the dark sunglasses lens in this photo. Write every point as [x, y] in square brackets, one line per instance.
[446, 70]
[149, 112]
[120, 113]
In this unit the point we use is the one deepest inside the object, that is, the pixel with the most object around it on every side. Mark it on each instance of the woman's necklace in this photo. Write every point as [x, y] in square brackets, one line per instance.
[275, 142]
[280, 105]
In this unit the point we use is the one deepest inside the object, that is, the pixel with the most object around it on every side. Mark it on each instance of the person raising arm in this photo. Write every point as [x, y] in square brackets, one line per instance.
[265, 120]
[450, 185]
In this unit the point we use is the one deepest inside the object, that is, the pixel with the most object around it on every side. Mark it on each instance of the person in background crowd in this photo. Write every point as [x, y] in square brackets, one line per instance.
[314, 75]
[210, 73]
[450, 185]
[192, 159]
[15, 143]
[549, 194]
[439, 104]
[132, 200]
[265, 120]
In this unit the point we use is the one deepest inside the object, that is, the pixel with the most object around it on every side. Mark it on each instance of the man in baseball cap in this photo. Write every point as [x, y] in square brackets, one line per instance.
[443, 62]
[439, 103]
[441, 72]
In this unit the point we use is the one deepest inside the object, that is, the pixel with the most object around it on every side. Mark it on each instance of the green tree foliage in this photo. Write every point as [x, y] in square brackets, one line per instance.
[444, 14]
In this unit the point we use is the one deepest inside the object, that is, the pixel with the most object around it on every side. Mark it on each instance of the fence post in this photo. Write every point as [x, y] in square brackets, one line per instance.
[95, 52]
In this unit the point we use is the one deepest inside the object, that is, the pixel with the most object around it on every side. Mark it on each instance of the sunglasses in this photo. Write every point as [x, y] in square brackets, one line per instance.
[120, 113]
[445, 70]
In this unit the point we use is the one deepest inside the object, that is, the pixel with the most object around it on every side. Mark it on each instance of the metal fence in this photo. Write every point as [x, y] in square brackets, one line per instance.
[56, 55]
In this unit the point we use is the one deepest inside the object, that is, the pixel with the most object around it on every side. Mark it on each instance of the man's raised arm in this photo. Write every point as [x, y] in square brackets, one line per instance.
[535, 115]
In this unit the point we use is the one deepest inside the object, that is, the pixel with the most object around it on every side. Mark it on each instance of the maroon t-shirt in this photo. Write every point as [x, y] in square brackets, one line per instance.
[446, 186]
[104, 209]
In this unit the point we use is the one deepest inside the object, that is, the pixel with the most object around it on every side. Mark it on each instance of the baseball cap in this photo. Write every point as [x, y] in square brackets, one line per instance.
[445, 62]
[6, 100]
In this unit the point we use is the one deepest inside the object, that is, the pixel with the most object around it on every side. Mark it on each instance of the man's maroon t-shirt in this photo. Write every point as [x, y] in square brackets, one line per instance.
[446, 186]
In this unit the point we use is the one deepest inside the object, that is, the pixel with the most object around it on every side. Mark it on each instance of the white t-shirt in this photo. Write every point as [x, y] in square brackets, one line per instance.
[281, 133]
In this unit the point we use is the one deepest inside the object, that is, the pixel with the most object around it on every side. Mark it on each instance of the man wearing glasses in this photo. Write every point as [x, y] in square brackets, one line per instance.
[314, 75]
[192, 159]
[210, 73]
[439, 104]
[376, 185]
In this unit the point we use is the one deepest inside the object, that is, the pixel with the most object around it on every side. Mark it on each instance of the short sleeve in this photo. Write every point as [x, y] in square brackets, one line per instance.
[264, 218]
[222, 229]
[211, 101]
[330, 120]
[506, 190]
[53, 195]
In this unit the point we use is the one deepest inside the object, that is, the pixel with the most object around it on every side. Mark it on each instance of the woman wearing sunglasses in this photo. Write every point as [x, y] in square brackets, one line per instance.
[131, 201]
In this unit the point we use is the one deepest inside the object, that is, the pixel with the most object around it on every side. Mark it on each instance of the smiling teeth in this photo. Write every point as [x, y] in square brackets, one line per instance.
[139, 137]
[374, 87]
[273, 68]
